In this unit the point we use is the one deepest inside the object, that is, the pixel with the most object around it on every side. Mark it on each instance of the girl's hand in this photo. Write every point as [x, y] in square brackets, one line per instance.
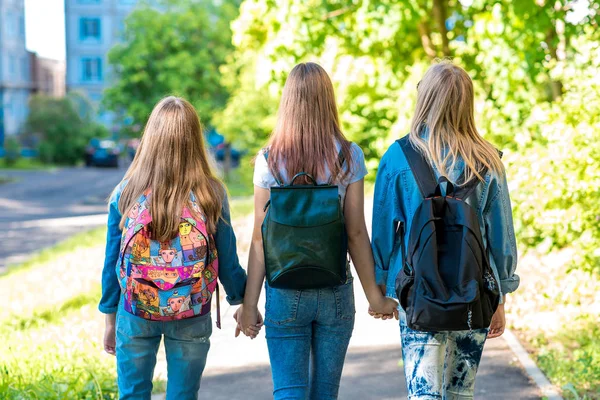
[109, 334]
[498, 323]
[384, 308]
[249, 320]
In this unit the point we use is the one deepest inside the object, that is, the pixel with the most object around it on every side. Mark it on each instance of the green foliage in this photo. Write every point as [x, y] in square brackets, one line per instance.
[530, 62]
[556, 175]
[572, 358]
[12, 150]
[172, 48]
[63, 132]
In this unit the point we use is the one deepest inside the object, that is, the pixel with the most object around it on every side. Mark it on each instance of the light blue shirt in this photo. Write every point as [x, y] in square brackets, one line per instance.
[358, 170]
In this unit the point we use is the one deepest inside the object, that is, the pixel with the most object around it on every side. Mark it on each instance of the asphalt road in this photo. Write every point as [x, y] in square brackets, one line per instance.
[37, 208]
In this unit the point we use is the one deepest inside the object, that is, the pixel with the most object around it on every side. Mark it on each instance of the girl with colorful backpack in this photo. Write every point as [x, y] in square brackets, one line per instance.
[443, 238]
[169, 239]
[307, 181]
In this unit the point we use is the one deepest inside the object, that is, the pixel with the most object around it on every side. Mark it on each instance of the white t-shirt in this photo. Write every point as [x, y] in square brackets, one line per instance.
[264, 178]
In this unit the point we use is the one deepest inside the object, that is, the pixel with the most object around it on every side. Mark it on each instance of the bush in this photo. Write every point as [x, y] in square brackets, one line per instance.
[63, 132]
[12, 151]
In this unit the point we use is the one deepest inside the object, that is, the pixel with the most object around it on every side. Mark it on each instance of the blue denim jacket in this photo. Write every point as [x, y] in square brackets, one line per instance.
[231, 274]
[396, 198]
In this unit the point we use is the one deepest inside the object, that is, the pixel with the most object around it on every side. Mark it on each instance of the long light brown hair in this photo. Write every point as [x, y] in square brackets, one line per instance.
[172, 162]
[304, 139]
[445, 106]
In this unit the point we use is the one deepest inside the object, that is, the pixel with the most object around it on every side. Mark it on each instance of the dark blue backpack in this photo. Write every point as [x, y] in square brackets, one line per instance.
[446, 283]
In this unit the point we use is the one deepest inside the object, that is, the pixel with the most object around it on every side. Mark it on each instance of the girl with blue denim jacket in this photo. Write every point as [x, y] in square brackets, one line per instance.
[308, 331]
[444, 364]
[172, 163]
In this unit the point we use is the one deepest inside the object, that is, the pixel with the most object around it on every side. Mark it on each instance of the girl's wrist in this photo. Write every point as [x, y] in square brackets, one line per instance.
[374, 295]
[111, 319]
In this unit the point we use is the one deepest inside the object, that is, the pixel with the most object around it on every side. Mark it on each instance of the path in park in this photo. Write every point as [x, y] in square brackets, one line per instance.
[41, 208]
[44, 207]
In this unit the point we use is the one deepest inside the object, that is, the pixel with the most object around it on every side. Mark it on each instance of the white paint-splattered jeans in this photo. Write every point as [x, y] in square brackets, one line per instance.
[440, 365]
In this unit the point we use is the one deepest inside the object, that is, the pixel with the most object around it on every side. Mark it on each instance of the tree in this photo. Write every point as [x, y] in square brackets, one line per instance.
[528, 59]
[62, 132]
[174, 47]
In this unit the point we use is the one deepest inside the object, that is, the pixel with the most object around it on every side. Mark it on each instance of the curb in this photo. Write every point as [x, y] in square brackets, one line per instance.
[547, 389]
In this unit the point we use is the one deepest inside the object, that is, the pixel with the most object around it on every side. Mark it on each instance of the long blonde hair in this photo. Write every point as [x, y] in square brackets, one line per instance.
[304, 139]
[172, 162]
[445, 106]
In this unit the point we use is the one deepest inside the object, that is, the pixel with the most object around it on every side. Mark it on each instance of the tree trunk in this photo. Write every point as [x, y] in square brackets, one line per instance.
[426, 40]
[440, 11]
[557, 52]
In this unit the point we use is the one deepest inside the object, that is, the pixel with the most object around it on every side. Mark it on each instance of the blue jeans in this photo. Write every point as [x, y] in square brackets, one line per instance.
[308, 329]
[440, 365]
[186, 345]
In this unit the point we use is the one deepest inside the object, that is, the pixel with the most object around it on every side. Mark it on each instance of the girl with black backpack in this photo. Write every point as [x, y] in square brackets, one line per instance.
[304, 323]
[443, 238]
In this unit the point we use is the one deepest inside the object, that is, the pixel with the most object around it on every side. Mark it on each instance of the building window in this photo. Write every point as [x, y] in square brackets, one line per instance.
[11, 24]
[22, 26]
[25, 73]
[89, 28]
[91, 69]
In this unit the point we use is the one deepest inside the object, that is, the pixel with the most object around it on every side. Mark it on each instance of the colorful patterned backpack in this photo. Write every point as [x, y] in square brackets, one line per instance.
[164, 281]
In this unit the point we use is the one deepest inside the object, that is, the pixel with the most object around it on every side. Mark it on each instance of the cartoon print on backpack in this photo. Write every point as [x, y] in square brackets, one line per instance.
[147, 298]
[192, 241]
[165, 278]
[152, 270]
[140, 251]
[176, 303]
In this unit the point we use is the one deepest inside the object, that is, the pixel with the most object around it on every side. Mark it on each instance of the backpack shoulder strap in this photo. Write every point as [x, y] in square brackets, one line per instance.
[341, 161]
[275, 174]
[421, 169]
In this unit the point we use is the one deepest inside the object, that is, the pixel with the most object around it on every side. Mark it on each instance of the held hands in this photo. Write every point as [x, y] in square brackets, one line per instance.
[249, 321]
[109, 334]
[383, 307]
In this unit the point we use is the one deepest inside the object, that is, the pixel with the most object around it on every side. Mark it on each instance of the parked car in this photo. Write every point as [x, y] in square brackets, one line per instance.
[102, 152]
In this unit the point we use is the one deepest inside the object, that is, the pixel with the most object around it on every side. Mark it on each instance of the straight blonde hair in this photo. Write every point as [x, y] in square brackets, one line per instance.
[304, 139]
[445, 106]
[172, 162]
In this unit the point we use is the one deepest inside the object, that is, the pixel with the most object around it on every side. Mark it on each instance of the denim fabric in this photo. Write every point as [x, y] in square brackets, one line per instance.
[441, 365]
[231, 274]
[186, 344]
[308, 332]
[396, 199]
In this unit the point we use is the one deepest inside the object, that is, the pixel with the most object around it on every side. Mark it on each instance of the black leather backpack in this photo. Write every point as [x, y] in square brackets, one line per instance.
[304, 235]
[446, 283]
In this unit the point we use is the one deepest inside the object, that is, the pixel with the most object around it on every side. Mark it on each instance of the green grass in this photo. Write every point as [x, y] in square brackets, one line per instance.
[241, 207]
[571, 359]
[62, 359]
[86, 239]
[26, 164]
[50, 315]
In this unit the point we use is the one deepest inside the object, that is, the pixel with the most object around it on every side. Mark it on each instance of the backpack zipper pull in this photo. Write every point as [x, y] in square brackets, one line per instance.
[470, 320]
